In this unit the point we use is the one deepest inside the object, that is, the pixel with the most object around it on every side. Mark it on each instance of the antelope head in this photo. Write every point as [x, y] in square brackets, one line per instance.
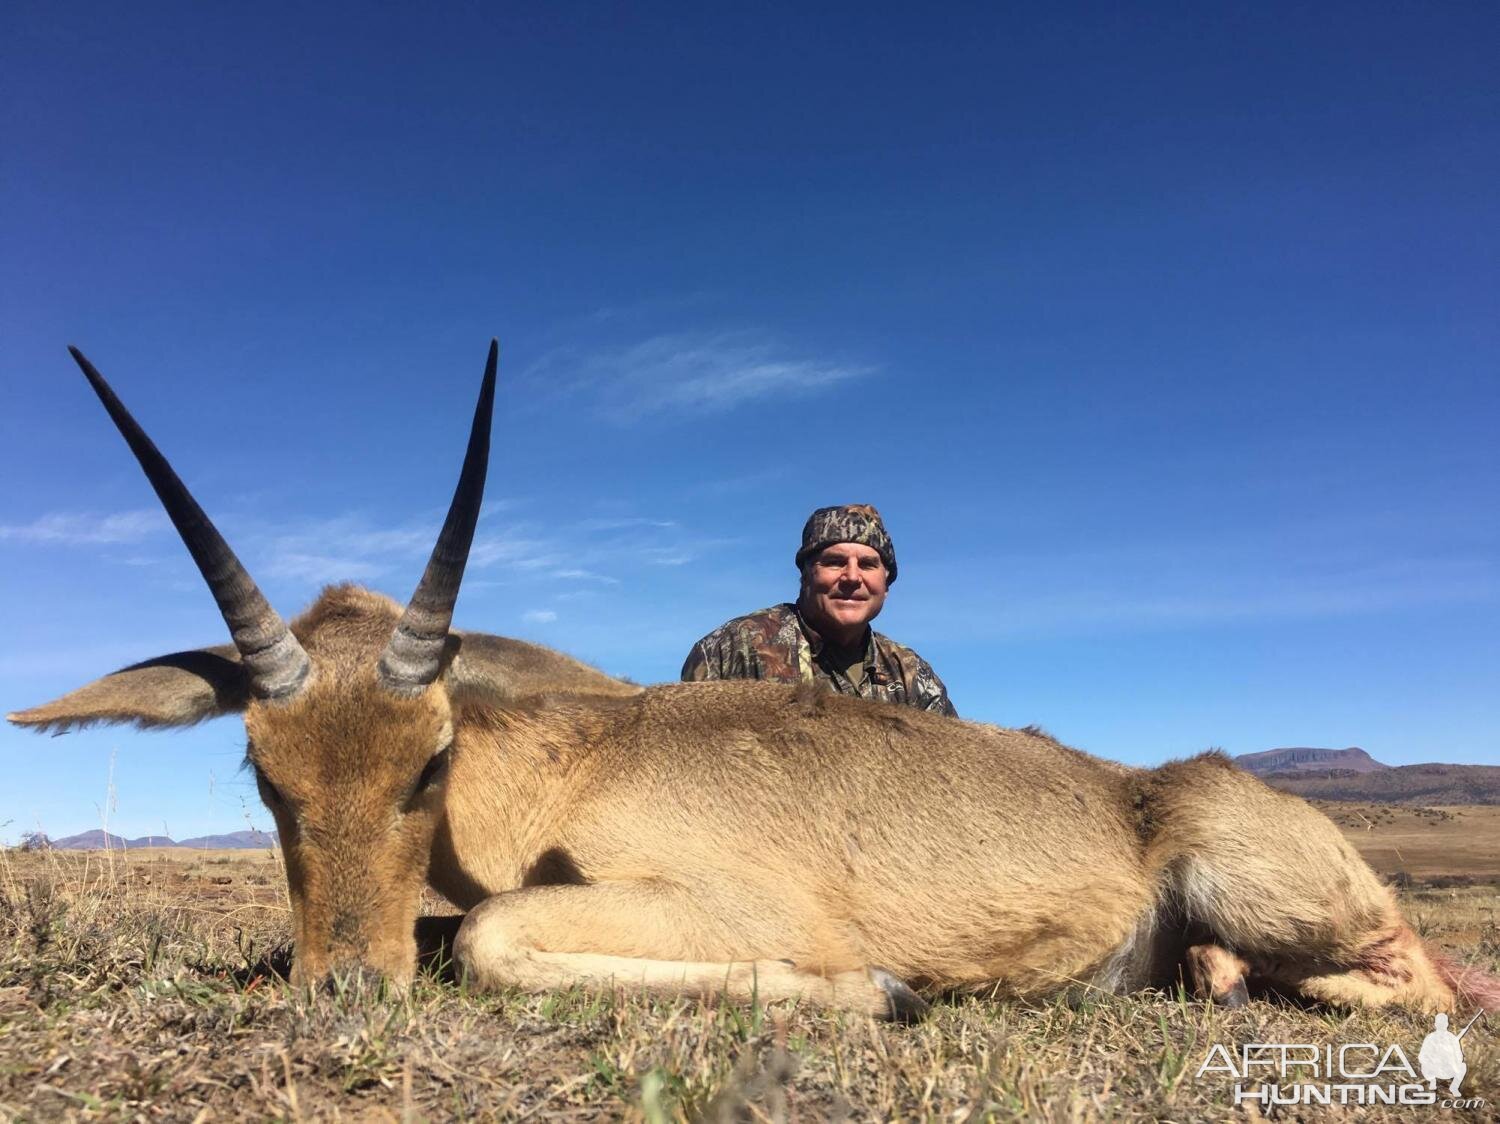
[348, 722]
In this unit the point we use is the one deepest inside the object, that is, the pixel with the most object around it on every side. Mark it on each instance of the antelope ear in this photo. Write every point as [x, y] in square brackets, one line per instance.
[498, 671]
[176, 690]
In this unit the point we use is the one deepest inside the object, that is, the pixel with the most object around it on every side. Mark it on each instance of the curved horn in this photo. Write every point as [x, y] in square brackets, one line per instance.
[276, 662]
[414, 655]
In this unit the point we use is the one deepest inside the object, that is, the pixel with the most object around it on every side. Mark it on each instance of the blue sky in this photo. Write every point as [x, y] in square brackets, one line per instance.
[1164, 336]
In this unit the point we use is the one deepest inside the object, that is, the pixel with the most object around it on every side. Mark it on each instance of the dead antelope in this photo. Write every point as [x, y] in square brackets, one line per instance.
[741, 838]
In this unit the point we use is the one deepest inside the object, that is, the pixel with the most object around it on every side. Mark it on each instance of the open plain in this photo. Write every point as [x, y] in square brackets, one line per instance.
[148, 985]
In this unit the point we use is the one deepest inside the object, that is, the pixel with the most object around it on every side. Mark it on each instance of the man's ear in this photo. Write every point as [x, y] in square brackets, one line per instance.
[176, 690]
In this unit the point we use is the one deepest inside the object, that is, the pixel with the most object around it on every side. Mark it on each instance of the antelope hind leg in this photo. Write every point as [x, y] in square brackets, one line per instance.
[1390, 968]
[598, 935]
[1273, 880]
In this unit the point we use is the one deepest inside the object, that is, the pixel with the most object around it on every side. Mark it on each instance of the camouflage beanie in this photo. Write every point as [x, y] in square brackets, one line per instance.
[850, 522]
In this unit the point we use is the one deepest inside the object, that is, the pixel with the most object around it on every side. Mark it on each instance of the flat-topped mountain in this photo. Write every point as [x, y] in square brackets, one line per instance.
[1305, 759]
[1352, 774]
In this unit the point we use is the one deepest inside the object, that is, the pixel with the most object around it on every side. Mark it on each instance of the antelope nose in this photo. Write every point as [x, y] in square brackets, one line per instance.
[354, 978]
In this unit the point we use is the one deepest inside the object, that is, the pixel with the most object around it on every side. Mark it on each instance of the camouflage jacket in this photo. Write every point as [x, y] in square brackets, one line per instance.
[777, 644]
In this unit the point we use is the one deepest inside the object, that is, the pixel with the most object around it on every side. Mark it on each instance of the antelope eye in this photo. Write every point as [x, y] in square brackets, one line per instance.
[268, 791]
[432, 772]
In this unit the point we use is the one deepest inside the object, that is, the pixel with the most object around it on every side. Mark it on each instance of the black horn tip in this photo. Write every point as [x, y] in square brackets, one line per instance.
[82, 360]
[486, 405]
[90, 372]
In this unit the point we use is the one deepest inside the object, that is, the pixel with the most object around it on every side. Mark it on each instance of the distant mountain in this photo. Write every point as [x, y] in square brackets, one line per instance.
[1418, 785]
[1352, 774]
[97, 840]
[1305, 759]
[244, 840]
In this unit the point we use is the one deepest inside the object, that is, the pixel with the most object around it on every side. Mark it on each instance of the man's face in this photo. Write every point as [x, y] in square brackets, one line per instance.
[843, 589]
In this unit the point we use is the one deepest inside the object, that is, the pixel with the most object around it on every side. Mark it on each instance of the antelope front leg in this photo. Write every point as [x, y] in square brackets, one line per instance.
[644, 936]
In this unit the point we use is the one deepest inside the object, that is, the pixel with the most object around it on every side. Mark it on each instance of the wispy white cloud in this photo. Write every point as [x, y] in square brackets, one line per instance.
[1058, 595]
[74, 528]
[736, 485]
[320, 568]
[621, 524]
[341, 548]
[588, 552]
[585, 575]
[690, 373]
[515, 550]
[498, 506]
[645, 309]
[682, 551]
[539, 616]
[353, 547]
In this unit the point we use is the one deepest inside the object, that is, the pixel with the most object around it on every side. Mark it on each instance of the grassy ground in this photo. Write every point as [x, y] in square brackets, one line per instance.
[1432, 843]
[145, 987]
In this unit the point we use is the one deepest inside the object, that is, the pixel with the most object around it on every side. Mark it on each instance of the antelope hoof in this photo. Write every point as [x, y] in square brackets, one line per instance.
[1218, 975]
[903, 1005]
[1237, 995]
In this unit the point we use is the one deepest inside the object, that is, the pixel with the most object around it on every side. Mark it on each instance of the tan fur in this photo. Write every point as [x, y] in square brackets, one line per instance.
[752, 838]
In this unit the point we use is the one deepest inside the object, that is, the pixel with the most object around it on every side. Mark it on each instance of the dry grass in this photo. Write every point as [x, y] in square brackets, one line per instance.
[145, 987]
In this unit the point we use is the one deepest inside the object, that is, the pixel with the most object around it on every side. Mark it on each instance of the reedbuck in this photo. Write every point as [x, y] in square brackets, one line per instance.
[738, 838]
